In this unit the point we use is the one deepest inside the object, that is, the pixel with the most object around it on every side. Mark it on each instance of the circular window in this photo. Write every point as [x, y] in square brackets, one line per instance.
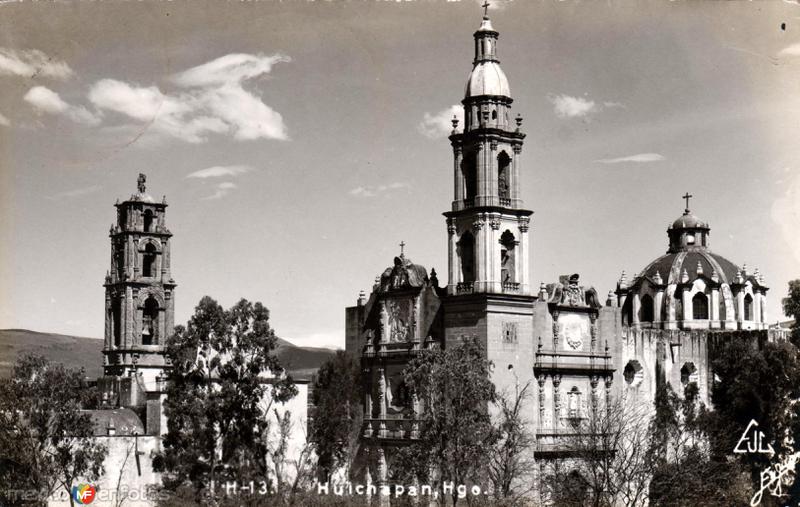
[633, 373]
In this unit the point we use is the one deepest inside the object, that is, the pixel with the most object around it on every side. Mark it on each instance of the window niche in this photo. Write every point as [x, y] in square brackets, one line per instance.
[503, 177]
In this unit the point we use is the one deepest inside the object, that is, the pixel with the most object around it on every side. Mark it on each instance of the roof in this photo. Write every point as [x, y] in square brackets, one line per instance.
[689, 221]
[671, 266]
[487, 78]
[123, 420]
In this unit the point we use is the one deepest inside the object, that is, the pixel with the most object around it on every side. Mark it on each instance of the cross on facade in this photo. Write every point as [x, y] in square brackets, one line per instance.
[485, 8]
[687, 196]
[402, 246]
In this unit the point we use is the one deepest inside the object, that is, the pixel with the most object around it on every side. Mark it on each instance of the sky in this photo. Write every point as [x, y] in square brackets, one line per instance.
[299, 142]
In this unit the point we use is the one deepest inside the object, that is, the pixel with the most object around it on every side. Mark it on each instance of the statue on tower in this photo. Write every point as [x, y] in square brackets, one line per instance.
[140, 183]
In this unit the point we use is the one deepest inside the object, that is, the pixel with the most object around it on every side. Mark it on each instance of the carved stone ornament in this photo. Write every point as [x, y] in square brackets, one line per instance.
[451, 226]
[493, 144]
[400, 320]
[495, 224]
[524, 224]
[478, 224]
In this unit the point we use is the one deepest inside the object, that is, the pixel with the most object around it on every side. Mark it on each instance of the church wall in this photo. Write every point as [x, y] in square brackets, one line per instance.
[121, 468]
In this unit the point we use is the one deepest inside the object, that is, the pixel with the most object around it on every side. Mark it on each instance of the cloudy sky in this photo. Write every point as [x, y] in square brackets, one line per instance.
[299, 142]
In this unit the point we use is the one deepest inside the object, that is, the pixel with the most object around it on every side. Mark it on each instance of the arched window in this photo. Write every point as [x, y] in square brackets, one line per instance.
[466, 252]
[748, 307]
[149, 260]
[469, 175]
[148, 220]
[646, 314]
[150, 321]
[503, 180]
[700, 306]
[507, 257]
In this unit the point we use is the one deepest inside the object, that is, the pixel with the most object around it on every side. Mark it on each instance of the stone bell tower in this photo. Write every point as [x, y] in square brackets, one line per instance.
[488, 289]
[487, 226]
[139, 292]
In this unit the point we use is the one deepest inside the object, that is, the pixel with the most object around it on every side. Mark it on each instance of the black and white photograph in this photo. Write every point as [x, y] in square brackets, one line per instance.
[385, 253]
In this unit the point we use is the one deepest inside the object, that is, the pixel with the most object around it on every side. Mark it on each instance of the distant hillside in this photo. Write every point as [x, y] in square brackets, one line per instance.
[77, 352]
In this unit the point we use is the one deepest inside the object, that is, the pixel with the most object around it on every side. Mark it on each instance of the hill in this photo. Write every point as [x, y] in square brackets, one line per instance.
[77, 352]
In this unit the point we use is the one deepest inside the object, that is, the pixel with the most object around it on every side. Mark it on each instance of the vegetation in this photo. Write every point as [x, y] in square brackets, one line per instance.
[336, 424]
[220, 390]
[45, 437]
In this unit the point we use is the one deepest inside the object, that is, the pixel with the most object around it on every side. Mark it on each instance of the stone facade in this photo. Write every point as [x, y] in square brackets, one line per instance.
[579, 354]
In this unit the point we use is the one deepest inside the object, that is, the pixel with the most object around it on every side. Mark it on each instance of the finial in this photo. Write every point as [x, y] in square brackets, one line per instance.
[611, 300]
[744, 269]
[657, 278]
[687, 196]
[699, 268]
[402, 249]
[518, 119]
[485, 10]
[715, 275]
[623, 280]
[454, 121]
[684, 276]
[164, 200]
[434, 278]
[362, 297]
[543, 292]
[140, 183]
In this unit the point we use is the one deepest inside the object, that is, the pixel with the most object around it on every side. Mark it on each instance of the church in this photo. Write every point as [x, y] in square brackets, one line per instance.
[578, 351]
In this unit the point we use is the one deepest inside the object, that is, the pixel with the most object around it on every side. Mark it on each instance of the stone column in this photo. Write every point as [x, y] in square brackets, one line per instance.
[458, 176]
[384, 327]
[382, 431]
[515, 183]
[658, 304]
[756, 307]
[687, 305]
[491, 174]
[637, 305]
[480, 194]
[452, 257]
[480, 255]
[522, 257]
[714, 307]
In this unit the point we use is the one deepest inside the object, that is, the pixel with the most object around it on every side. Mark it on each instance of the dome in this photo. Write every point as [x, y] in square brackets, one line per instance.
[689, 221]
[669, 268]
[487, 78]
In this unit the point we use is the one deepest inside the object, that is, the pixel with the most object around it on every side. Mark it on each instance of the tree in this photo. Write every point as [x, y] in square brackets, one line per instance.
[456, 434]
[46, 440]
[791, 307]
[686, 471]
[220, 390]
[511, 464]
[754, 381]
[611, 462]
[336, 424]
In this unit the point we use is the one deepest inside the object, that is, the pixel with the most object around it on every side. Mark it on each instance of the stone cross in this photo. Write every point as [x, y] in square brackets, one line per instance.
[485, 8]
[687, 196]
[402, 247]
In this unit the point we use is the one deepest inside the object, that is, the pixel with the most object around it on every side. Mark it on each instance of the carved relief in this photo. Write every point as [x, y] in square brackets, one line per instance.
[400, 320]
[524, 223]
[574, 328]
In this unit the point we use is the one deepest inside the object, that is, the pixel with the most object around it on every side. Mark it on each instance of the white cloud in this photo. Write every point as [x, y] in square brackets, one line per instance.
[793, 50]
[222, 189]
[639, 158]
[45, 100]
[4, 121]
[438, 125]
[220, 170]
[572, 107]
[786, 213]
[372, 191]
[30, 63]
[213, 101]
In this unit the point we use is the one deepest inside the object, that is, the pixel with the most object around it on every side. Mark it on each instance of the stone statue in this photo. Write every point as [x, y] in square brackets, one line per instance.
[140, 183]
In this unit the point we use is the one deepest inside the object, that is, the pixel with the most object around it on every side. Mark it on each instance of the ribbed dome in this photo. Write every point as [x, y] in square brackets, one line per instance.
[689, 221]
[670, 267]
[487, 78]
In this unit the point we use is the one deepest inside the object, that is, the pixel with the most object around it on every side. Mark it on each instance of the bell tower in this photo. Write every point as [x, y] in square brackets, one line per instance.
[488, 289]
[487, 226]
[139, 290]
